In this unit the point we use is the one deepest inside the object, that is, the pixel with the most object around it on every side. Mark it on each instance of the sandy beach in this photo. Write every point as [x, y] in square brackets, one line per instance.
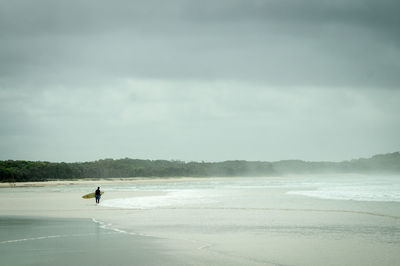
[132, 180]
[244, 225]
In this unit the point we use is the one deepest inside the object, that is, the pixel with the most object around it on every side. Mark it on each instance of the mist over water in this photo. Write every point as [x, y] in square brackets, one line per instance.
[367, 188]
[248, 191]
[195, 192]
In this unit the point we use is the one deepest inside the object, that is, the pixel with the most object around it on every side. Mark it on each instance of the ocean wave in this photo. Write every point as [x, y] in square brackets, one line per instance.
[379, 194]
[171, 199]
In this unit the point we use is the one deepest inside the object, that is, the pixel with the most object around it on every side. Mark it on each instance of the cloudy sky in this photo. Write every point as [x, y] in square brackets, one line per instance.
[199, 80]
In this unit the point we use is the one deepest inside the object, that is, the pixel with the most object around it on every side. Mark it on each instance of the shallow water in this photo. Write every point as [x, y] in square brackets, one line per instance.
[346, 220]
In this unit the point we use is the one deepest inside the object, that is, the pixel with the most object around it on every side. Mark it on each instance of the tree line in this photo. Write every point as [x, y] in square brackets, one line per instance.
[20, 171]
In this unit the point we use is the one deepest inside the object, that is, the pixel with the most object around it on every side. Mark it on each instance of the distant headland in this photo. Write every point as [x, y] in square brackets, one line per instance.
[29, 171]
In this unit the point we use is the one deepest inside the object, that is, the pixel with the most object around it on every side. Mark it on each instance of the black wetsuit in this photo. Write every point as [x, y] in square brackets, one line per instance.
[97, 194]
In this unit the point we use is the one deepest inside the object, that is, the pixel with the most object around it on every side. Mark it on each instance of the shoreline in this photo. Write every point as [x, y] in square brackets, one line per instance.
[144, 180]
[116, 180]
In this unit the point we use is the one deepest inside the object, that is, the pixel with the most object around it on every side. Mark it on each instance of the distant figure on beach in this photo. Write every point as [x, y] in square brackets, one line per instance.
[97, 195]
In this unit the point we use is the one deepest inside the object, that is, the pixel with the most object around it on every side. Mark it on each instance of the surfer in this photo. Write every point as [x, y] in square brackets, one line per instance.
[97, 195]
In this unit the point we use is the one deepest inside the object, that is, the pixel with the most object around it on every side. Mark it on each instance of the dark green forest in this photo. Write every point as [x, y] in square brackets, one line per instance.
[19, 171]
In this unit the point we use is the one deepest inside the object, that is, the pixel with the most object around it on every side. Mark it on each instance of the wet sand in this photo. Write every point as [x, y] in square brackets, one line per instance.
[56, 241]
[284, 230]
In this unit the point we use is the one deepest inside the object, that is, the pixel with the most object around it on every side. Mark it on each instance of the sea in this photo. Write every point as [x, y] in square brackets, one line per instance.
[234, 191]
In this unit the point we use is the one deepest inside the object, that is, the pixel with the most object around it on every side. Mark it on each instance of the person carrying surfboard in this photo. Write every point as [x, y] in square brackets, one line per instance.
[97, 194]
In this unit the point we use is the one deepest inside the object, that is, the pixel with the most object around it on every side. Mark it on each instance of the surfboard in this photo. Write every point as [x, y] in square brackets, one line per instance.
[91, 195]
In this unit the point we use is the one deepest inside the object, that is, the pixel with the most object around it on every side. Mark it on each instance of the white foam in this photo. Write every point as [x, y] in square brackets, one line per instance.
[31, 239]
[42, 237]
[171, 199]
[111, 227]
[366, 193]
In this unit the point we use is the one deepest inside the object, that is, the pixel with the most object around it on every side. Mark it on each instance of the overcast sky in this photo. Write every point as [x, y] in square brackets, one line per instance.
[199, 80]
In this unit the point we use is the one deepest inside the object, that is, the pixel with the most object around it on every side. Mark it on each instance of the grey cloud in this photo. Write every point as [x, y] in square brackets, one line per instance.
[199, 80]
[275, 42]
[194, 120]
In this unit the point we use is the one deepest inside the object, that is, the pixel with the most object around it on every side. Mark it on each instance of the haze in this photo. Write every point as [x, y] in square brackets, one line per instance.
[199, 80]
